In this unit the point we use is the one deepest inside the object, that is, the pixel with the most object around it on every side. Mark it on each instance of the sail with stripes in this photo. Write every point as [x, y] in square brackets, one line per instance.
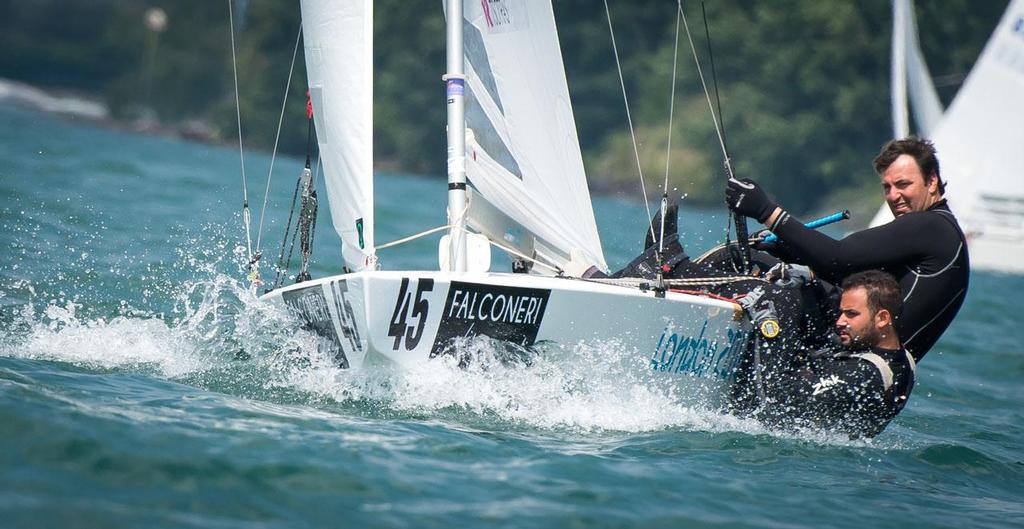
[522, 151]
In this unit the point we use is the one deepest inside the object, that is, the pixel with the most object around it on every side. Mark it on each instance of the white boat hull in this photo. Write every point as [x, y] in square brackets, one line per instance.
[405, 318]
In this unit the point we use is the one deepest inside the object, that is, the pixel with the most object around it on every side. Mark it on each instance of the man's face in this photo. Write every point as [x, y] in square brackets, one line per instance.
[905, 187]
[856, 325]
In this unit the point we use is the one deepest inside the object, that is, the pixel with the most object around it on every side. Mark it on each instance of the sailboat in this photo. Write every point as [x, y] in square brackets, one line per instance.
[516, 182]
[978, 138]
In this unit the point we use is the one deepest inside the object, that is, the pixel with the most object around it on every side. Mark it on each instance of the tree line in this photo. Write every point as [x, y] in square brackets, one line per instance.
[803, 84]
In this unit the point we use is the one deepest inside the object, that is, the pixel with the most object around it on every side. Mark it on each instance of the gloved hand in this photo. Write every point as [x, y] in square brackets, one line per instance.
[775, 248]
[763, 245]
[748, 199]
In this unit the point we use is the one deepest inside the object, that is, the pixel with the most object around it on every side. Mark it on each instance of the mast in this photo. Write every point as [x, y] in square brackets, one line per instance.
[455, 88]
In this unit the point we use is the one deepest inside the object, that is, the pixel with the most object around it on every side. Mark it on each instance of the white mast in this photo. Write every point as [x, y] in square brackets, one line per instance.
[455, 89]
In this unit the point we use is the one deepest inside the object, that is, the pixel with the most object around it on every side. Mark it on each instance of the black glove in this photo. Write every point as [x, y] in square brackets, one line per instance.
[776, 248]
[748, 199]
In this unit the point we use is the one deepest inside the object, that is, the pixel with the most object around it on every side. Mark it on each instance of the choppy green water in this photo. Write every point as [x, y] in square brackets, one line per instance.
[124, 401]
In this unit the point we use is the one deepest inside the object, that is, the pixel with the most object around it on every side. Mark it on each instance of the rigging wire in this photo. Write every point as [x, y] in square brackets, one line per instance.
[629, 118]
[277, 137]
[703, 83]
[668, 149]
[238, 114]
[714, 78]
[738, 220]
[716, 119]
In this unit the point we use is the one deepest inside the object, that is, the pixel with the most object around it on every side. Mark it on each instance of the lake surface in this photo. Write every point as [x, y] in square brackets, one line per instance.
[142, 386]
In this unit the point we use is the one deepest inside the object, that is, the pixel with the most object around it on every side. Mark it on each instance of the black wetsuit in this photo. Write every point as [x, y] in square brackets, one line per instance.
[854, 392]
[925, 251]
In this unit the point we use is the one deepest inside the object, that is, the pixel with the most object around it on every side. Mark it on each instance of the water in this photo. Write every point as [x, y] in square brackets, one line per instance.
[140, 385]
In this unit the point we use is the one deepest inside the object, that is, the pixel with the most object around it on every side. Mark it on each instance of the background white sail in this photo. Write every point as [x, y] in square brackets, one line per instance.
[522, 151]
[910, 72]
[338, 38]
[980, 140]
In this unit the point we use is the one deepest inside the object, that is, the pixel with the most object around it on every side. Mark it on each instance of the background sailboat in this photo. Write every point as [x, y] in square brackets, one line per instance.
[979, 137]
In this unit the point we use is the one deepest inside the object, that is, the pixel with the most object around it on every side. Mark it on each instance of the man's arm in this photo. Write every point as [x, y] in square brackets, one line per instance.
[903, 240]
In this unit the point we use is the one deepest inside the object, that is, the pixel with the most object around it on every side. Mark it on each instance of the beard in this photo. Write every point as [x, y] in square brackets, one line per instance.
[866, 339]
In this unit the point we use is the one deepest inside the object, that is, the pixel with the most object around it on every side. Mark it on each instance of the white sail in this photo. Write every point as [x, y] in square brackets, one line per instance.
[522, 151]
[910, 73]
[338, 40]
[980, 139]
[981, 147]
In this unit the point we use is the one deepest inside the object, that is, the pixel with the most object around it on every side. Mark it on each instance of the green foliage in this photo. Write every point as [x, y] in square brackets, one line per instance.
[804, 84]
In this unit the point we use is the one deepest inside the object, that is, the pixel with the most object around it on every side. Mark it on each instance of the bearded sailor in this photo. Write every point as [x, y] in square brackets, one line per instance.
[856, 388]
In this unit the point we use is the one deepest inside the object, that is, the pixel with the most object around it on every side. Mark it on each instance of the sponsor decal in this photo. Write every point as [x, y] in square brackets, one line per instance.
[510, 314]
[695, 355]
[825, 384]
[310, 305]
[455, 87]
[498, 14]
[346, 316]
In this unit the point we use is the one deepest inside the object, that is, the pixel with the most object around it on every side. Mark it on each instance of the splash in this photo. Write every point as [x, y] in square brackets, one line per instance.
[218, 336]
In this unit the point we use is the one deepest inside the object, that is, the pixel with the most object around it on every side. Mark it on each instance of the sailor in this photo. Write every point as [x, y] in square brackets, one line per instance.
[858, 388]
[923, 248]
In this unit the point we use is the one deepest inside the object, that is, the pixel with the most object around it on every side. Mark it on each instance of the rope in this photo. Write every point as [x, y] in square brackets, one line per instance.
[284, 242]
[277, 137]
[629, 118]
[555, 269]
[413, 237]
[238, 114]
[689, 281]
[500, 246]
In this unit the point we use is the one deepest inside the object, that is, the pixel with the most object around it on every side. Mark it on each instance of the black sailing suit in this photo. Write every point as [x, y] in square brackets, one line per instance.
[925, 251]
[854, 392]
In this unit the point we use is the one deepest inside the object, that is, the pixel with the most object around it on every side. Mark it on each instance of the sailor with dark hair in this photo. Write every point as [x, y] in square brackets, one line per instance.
[923, 248]
[857, 388]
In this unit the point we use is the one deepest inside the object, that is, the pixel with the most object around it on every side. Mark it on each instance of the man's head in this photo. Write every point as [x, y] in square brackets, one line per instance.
[871, 301]
[910, 175]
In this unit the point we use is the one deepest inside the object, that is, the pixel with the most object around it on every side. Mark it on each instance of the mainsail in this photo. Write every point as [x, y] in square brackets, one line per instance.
[339, 65]
[979, 141]
[522, 152]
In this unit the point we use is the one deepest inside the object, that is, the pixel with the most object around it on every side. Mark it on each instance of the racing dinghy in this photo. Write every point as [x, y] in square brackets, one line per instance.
[512, 135]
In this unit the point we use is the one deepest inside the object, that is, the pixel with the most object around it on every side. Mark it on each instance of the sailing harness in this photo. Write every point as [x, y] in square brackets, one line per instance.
[884, 367]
